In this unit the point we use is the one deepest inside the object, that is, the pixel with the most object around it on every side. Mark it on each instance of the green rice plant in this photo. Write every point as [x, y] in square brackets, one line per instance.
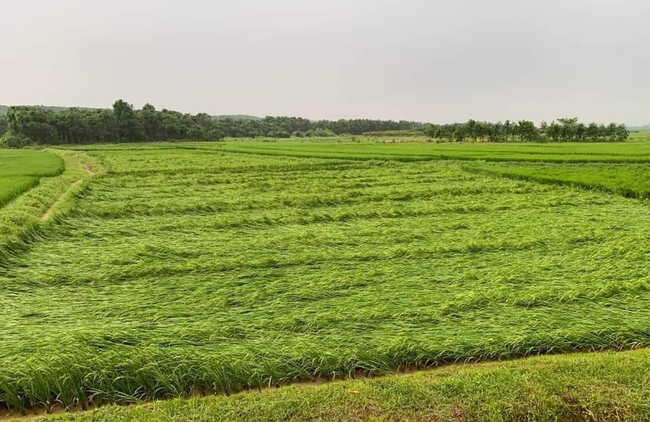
[599, 387]
[12, 186]
[22, 221]
[631, 180]
[20, 170]
[29, 162]
[626, 152]
[185, 270]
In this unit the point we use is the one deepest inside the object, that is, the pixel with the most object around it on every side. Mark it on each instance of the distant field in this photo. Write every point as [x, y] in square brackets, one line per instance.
[626, 152]
[21, 170]
[190, 267]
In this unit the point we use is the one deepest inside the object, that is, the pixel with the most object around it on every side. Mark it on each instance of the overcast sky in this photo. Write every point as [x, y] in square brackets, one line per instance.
[427, 60]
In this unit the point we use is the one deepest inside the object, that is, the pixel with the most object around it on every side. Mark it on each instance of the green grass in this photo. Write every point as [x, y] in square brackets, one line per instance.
[593, 387]
[183, 270]
[20, 170]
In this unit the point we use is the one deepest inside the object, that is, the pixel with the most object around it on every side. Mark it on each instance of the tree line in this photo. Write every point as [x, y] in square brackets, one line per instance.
[562, 130]
[24, 125]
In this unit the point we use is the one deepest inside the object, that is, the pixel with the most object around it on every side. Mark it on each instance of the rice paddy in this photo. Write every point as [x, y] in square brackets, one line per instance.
[20, 170]
[635, 151]
[205, 268]
[632, 180]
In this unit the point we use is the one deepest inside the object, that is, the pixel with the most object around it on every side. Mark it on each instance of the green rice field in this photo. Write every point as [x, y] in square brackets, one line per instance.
[635, 151]
[198, 268]
[631, 180]
[21, 170]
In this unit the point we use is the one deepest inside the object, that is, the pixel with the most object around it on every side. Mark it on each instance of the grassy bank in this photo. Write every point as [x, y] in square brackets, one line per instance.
[577, 387]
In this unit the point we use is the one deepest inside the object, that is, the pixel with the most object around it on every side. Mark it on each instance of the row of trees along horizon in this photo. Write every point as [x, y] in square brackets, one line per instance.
[28, 125]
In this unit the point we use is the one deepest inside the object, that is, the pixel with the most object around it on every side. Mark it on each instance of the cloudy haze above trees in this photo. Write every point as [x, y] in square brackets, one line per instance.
[426, 60]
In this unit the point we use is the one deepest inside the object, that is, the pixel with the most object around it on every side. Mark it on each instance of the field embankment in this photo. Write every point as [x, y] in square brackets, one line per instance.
[574, 387]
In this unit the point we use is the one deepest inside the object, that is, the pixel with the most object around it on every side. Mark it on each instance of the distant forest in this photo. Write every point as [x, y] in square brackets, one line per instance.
[562, 130]
[27, 125]
[123, 123]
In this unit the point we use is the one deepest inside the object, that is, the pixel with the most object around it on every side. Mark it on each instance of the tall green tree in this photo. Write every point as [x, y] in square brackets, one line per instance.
[126, 121]
[3, 125]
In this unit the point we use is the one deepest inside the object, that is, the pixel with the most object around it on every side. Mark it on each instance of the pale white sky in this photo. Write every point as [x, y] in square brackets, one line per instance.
[427, 60]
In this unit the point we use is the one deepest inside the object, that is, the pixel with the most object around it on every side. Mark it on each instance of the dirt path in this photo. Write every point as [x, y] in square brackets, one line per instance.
[58, 202]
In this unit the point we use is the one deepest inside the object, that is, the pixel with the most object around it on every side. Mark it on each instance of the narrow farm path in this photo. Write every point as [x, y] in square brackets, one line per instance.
[48, 214]
[60, 200]
[64, 195]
